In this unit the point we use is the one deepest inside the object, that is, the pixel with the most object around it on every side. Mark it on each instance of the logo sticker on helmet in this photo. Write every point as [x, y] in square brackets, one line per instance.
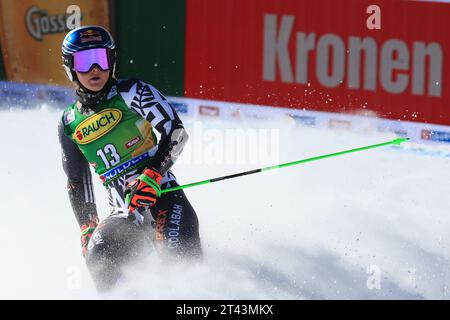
[97, 125]
[90, 35]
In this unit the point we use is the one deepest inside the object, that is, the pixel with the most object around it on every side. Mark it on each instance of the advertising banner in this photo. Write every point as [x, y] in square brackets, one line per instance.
[385, 58]
[15, 95]
[31, 33]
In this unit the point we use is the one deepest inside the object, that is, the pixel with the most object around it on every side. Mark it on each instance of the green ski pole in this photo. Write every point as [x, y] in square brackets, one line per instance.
[240, 174]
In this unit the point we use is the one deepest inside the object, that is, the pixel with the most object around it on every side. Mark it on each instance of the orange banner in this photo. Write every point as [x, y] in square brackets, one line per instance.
[31, 33]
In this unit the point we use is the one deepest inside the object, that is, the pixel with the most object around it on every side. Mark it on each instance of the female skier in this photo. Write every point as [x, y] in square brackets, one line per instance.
[111, 128]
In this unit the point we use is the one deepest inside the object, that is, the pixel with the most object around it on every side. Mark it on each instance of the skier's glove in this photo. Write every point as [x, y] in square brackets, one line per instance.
[142, 193]
[86, 234]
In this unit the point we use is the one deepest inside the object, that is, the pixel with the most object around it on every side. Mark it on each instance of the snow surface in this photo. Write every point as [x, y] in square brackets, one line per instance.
[369, 225]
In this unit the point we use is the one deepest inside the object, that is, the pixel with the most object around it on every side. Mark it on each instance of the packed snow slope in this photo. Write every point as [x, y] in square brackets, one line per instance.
[368, 225]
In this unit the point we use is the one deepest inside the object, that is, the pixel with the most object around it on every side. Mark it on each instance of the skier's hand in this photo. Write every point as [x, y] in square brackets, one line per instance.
[143, 191]
[86, 234]
[136, 217]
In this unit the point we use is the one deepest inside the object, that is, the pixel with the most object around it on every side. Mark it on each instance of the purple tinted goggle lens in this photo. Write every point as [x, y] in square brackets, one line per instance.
[84, 60]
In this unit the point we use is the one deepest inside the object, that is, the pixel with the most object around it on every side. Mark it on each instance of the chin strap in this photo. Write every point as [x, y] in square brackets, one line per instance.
[91, 99]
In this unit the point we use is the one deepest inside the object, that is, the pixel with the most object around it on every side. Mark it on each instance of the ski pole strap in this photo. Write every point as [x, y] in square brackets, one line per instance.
[152, 183]
[128, 198]
[85, 231]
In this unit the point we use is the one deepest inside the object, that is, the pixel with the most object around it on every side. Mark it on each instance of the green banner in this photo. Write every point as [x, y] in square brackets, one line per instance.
[2, 67]
[150, 42]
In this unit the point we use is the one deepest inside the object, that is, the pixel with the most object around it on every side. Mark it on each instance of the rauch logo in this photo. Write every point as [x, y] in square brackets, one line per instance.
[97, 125]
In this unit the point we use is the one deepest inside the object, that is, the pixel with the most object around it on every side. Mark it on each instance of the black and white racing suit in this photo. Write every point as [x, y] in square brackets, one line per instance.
[175, 223]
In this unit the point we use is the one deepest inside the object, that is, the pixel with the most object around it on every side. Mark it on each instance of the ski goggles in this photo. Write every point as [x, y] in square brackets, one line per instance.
[83, 61]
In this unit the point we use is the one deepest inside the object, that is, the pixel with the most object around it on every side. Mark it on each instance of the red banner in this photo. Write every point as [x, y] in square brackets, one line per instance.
[324, 55]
